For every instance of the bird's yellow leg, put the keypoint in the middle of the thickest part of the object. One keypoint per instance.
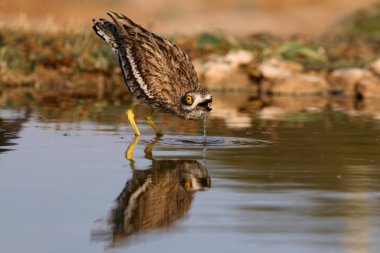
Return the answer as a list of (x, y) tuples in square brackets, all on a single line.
[(151, 123), (131, 148), (131, 118), (149, 147)]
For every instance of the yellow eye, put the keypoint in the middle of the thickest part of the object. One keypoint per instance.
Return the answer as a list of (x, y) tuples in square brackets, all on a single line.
[(187, 184), (189, 100)]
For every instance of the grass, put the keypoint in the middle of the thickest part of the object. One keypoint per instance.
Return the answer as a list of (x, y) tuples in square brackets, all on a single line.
[(353, 43), (26, 51), (364, 22)]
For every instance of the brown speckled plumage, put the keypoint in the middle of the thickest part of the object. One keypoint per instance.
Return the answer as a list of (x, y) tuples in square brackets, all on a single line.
[(156, 71), (155, 198)]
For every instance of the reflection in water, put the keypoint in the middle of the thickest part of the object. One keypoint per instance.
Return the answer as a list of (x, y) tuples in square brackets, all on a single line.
[(358, 222), (154, 198), (9, 128), (305, 179)]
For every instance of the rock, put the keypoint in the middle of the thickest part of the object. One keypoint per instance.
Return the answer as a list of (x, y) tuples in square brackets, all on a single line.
[(238, 58), (255, 76), (296, 84), (368, 87), (223, 72), (343, 81), (275, 68), (375, 67), (213, 72)]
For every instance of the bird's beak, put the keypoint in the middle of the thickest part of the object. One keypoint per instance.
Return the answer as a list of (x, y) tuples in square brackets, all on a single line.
[(206, 104)]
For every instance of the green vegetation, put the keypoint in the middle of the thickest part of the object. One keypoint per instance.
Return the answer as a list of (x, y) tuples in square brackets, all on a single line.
[(26, 51), (353, 43), (364, 22)]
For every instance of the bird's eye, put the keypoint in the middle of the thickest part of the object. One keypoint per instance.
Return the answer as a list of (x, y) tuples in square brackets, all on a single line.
[(189, 100), (187, 184)]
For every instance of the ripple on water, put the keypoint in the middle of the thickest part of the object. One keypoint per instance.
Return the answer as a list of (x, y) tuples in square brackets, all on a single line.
[(213, 141)]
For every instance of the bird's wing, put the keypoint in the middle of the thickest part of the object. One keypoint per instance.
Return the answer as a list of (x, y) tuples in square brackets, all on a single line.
[(162, 70)]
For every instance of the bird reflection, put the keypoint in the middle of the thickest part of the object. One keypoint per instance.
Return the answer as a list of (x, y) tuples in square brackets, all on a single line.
[(9, 129), (154, 198)]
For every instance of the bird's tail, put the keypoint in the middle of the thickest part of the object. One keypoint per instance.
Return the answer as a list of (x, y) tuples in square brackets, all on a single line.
[(107, 31)]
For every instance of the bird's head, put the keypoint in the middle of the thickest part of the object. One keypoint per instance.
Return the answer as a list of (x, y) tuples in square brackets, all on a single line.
[(193, 176), (193, 184), (195, 104)]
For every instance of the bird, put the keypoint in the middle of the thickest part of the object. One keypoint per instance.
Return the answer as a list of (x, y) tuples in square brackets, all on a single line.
[(156, 71), (154, 198)]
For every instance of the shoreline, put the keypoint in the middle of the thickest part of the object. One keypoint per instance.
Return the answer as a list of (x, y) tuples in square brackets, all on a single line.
[(261, 64)]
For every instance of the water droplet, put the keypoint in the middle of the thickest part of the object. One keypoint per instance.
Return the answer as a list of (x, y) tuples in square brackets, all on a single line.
[(205, 128), (204, 139)]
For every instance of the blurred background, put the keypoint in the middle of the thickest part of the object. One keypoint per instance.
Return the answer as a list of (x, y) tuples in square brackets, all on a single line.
[(49, 53), (294, 134), (186, 17)]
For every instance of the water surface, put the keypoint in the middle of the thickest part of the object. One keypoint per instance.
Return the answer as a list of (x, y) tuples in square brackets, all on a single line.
[(289, 181)]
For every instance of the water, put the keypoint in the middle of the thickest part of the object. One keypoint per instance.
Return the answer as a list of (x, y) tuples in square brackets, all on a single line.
[(204, 139), (303, 181), (205, 128)]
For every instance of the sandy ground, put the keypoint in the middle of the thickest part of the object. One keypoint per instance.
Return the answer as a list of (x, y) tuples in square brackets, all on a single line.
[(185, 17)]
